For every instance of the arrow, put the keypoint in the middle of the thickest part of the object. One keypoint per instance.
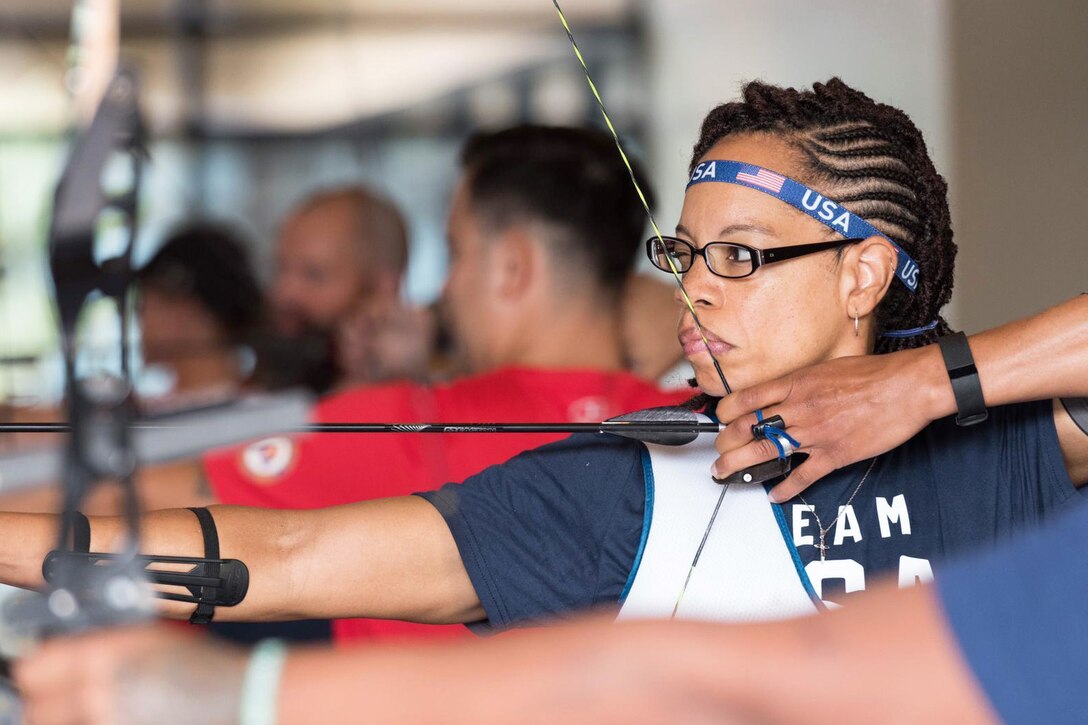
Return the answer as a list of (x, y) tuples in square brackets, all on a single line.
[(671, 426)]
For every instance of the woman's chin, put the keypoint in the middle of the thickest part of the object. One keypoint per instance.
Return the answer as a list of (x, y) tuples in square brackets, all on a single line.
[(709, 383)]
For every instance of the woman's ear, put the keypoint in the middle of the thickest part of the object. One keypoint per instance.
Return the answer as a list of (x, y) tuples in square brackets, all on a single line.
[(870, 267)]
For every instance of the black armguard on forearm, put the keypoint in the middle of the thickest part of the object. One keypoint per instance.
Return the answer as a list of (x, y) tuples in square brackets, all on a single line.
[(210, 581), (204, 609)]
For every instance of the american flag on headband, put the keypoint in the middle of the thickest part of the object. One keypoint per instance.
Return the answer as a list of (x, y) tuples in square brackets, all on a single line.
[(763, 178)]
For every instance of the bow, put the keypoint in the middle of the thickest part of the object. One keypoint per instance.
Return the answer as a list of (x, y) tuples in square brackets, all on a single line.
[(80, 597), (100, 409)]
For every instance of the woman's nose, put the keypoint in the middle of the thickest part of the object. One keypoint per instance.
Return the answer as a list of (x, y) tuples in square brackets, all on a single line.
[(702, 285)]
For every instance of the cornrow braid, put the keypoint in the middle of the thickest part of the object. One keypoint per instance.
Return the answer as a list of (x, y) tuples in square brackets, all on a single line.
[(872, 159)]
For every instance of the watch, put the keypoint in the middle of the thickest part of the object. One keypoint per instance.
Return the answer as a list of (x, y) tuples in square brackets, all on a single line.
[(971, 408)]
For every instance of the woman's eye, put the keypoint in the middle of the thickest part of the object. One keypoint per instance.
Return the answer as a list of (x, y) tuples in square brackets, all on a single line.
[(739, 254), (678, 252)]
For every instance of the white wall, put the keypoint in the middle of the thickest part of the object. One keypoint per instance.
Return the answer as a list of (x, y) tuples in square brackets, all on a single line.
[(1020, 80)]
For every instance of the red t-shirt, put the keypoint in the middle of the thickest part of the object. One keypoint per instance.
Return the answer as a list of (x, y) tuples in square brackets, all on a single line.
[(314, 471)]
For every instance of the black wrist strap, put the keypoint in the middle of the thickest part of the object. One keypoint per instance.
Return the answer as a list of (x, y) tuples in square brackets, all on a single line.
[(964, 377), (205, 611)]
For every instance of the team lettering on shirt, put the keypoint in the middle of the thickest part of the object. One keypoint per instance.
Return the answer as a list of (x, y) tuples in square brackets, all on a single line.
[(893, 520)]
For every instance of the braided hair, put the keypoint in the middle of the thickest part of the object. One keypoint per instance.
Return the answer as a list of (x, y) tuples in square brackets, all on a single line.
[(870, 158)]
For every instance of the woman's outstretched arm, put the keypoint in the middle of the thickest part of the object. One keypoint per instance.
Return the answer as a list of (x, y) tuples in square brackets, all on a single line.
[(390, 558)]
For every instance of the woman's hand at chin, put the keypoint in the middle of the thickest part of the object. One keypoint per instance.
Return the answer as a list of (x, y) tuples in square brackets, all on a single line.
[(841, 411)]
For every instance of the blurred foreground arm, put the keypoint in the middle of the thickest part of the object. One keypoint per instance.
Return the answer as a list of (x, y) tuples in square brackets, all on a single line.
[(851, 665), (849, 409), (1001, 635)]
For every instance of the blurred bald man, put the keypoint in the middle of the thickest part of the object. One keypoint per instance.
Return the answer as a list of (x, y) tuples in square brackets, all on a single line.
[(339, 248), (340, 257)]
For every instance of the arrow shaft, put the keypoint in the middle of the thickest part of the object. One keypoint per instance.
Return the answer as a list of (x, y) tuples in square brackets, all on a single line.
[(603, 427)]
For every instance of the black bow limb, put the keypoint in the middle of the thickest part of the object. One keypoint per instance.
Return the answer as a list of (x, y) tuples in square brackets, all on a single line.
[(100, 409)]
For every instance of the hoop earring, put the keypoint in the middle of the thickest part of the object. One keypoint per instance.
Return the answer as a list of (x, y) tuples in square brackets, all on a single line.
[(855, 324)]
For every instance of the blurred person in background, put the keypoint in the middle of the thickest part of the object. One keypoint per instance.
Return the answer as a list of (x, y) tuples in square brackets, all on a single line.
[(336, 249), (199, 307), (649, 332), (339, 262)]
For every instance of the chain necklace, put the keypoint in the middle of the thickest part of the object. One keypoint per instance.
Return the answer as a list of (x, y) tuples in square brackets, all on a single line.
[(822, 546)]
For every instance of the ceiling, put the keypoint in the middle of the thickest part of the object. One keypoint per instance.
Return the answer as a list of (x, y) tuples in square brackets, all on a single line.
[(286, 65), (52, 17)]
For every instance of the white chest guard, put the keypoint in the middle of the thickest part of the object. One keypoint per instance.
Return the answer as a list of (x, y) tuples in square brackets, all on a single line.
[(747, 570)]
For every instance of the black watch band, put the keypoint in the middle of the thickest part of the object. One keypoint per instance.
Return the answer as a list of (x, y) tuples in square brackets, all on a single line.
[(964, 377)]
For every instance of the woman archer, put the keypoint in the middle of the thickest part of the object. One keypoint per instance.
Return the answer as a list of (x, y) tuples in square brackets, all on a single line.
[(595, 521)]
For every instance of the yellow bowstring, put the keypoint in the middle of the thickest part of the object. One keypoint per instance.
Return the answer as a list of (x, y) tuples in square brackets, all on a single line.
[(641, 196), (675, 274)]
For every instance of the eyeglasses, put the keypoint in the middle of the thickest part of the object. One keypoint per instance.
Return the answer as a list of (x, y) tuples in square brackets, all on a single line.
[(727, 259)]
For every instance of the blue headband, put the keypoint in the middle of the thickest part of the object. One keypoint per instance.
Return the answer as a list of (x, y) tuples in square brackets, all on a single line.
[(804, 199)]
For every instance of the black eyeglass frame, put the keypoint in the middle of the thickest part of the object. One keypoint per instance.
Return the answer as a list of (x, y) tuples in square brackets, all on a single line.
[(760, 257)]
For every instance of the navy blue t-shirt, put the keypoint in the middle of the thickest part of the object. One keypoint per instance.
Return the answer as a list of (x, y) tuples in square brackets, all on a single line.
[(557, 530)]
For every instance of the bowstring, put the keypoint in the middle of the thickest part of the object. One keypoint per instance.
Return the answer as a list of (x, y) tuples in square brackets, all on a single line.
[(642, 197), (672, 267)]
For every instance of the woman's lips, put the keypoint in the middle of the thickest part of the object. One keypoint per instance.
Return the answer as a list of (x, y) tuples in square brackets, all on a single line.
[(692, 342)]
